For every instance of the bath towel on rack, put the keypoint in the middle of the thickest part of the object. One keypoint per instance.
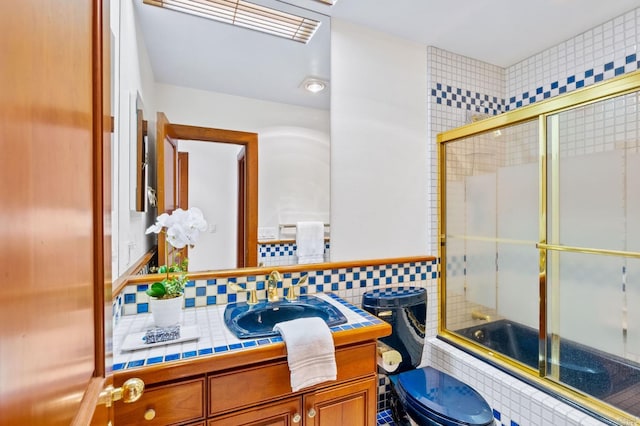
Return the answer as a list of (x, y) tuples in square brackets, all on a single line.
[(310, 242)]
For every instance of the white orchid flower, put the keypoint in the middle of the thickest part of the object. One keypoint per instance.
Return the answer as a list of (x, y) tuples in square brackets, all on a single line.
[(176, 236), (162, 221), (182, 227)]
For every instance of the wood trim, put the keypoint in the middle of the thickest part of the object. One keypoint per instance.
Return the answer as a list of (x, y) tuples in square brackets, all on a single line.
[(141, 279), (161, 132), (141, 189), (121, 282), (183, 180), (285, 241), (242, 212), (101, 178), (92, 394)]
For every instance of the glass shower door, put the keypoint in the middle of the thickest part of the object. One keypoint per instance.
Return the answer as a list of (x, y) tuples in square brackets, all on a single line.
[(592, 204), (492, 227)]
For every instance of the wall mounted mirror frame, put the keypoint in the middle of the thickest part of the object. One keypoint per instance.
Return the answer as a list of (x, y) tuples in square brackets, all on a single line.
[(140, 156)]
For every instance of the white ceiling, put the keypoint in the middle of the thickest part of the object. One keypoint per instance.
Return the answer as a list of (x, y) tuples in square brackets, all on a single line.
[(203, 54)]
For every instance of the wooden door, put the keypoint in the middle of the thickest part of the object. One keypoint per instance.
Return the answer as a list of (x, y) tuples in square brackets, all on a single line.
[(282, 413), (242, 213), (55, 251), (167, 180), (183, 192), (353, 404), (183, 180)]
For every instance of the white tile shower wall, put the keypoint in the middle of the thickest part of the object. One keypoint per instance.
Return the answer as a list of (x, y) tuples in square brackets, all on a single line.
[(459, 87), (599, 54)]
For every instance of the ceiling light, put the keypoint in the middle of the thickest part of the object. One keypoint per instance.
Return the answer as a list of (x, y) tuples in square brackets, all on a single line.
[(329, 2), (247, 15), (313, 85)]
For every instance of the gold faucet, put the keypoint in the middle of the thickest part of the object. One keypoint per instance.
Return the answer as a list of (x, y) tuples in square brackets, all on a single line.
[(253, 296), (272, 286), (291, 290)]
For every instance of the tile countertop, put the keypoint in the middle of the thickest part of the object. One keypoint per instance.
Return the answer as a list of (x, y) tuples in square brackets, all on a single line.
[(214, 338)]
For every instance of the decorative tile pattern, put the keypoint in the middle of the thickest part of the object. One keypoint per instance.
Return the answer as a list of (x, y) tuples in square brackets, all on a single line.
[(214, 335), (383, 418), (277, 254), (575, 81), (349, 283)]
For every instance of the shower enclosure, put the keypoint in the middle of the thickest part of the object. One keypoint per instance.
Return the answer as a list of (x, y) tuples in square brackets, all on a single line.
[(540, 244)]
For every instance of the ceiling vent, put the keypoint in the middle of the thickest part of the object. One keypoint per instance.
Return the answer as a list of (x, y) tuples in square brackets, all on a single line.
[(247, 15)]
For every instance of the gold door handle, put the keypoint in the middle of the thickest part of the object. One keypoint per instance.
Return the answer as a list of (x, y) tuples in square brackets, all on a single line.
[(296, 418), (131, 391), (311, 413)]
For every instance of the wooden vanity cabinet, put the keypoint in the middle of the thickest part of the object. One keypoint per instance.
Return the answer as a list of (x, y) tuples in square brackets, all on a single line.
[(258, 388), (245, 389), (348, 404)]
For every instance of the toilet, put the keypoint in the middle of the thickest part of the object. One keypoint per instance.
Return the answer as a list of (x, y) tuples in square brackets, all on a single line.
[(421, 396)]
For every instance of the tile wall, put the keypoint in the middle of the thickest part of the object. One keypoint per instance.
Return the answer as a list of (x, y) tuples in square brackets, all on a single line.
[(601, 53), (283, 253), (348, 283)]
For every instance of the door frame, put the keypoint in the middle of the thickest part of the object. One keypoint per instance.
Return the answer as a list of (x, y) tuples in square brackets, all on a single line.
[(250, 143)]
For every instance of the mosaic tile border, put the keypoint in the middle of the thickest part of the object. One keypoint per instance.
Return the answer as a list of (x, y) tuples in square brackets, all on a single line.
[(358, 318), (278, 254), (590, 76), (460, 98), (466, 99)]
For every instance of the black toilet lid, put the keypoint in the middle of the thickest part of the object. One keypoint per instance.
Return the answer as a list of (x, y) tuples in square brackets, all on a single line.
[(438, 396)]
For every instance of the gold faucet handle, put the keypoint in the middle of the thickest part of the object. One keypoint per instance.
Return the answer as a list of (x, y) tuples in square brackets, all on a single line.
[(291, 290), (253, 295)]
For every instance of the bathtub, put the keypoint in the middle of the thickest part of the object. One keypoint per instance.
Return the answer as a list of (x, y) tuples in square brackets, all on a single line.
[(601, 375)]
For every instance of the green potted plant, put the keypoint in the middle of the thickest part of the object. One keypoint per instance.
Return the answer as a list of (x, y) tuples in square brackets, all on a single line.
[(181, 228)]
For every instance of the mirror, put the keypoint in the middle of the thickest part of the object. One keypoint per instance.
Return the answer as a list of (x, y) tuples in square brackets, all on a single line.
[(246, 81)]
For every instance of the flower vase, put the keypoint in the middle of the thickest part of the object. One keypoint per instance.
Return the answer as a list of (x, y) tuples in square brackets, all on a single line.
[(166, 312)]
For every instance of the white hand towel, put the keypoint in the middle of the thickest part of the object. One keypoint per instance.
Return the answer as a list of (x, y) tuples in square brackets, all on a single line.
[(310, 242), (310, 351)]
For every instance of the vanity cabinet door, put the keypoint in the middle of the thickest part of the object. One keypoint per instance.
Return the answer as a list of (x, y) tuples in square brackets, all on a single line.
[(170, 404), (352, 404), (282, 413)]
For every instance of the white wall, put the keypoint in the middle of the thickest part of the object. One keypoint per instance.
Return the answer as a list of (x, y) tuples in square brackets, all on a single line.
[(293, 148), (132, 75), (379, 167), (213, 188)]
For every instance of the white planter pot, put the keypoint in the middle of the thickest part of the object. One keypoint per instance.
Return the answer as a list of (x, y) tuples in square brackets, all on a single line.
[(166, 312)]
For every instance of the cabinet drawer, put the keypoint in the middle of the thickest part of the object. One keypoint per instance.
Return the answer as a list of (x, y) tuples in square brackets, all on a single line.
[(171, 404), (281, 413), (245, 387)]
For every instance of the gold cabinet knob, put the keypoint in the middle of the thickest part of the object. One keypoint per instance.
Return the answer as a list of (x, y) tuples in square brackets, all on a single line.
[(296, 418), (311, 413), (150, 414)]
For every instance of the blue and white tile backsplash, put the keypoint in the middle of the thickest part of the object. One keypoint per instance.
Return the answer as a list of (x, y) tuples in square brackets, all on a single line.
[(348, 283)]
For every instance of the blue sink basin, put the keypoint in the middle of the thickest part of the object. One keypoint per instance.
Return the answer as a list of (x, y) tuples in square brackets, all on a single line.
[(253, 321)]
